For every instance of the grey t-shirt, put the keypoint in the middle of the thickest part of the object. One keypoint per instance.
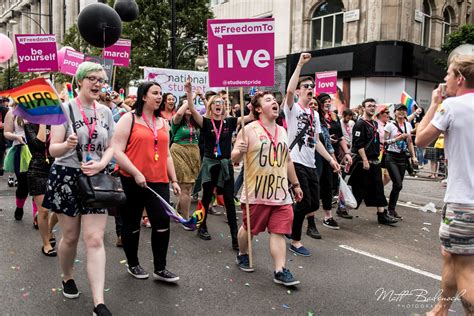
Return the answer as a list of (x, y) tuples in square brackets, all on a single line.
[(100, 139)]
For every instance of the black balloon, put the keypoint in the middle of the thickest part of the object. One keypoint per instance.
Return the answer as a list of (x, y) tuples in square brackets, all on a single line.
[(127, 9), (94, 20)]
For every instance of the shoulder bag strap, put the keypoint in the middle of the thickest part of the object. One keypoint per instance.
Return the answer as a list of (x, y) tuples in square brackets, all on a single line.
[(299, 135), (71, 116)]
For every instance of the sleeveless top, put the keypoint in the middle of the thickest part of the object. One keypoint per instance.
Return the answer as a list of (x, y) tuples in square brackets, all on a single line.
[(18, 130), (141, 152), (267, 177)]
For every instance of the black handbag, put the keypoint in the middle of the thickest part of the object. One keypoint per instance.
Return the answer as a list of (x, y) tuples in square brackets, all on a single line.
[(100, 190)]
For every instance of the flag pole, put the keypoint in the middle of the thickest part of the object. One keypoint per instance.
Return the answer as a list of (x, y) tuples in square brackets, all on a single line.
[(247, 209), (113, 78)]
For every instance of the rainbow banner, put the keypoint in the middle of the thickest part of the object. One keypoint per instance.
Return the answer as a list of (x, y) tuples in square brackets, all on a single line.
[(194, 220), (37, 101), (408, 102)]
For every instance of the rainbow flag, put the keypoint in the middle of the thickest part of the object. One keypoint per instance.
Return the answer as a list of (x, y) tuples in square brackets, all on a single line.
[(38, 102), (408, 102)]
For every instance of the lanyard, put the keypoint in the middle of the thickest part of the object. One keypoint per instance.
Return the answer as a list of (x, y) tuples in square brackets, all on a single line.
[(374, 128), (155, 133), (46, 144), (89, 127), (217, 147), (311, 115), (273, 140), (347, 127)]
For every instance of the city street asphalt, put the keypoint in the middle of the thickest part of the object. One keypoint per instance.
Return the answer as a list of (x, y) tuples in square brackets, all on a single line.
[(361, 269)]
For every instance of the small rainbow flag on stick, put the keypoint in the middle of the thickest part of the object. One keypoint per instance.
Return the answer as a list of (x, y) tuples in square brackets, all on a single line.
[(37, 101), (408, 102)]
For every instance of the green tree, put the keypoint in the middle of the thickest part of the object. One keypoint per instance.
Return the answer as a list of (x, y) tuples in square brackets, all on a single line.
[(150, 35), (464, 35), (16, 78)]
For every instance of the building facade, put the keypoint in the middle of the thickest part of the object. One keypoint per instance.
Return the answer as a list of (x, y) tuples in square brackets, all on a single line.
[(39, 16), (378, 47)]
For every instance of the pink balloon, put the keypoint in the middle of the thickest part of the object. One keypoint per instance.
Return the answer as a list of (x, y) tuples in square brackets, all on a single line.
[(61, 54), (6, 48)]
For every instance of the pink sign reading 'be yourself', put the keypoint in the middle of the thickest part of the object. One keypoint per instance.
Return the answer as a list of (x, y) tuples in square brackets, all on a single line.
[(71, 62), (36, 52), (241, 52), (119, 52)]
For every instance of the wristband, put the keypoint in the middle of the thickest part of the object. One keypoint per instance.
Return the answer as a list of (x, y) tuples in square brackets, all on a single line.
[(295, 185)]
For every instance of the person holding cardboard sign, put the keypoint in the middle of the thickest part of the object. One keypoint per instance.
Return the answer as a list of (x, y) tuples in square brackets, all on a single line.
[(270, 171)]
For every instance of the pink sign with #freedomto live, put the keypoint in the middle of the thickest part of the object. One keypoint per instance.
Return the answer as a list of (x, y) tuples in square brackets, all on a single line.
[(241, 52), (71, 62), (326, 82), (119, 52), (36, 52)]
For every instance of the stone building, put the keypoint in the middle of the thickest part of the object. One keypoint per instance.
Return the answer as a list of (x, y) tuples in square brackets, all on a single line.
[(39, 16), (378, 47)]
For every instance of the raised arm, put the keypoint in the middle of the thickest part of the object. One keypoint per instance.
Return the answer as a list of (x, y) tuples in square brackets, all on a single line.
[(290, 91), (189, 94), (178, 116)]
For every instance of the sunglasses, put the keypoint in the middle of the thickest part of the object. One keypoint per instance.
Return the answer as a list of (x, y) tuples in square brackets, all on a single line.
[(308, 85), (219, 102)]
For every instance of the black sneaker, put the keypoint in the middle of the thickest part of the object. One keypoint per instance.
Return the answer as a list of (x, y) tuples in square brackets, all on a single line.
[(18, 213), (313, 232), (385, 219), (70, 289), (285, 277), (243, 263), (342, 212), (166, 276), (101, 310), (138, 272), (330, 223), (203, 233), (11, 182)]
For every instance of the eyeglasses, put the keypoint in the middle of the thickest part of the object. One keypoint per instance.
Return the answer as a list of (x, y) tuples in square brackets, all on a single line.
[(218, 102), (94, 80), (308, 85)]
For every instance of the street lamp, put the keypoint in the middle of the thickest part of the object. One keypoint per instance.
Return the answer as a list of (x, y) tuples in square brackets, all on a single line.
[(201, 61), (28, 15)]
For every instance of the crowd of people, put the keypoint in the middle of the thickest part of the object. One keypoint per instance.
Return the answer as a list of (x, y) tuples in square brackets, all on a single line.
[(296, 152)]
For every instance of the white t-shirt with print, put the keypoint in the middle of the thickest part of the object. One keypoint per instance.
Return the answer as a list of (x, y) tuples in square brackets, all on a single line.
[(455, 118), (401, 145), (296, 118)]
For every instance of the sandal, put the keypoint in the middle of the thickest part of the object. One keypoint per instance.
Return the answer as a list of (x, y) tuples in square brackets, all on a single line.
[(51, 253), (432, 176)]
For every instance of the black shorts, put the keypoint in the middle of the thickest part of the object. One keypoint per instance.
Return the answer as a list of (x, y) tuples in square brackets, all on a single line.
[(309, 183), (38, 173), (61, 193)]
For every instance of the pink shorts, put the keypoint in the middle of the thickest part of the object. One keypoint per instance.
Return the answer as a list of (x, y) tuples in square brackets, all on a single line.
[(277, 218)]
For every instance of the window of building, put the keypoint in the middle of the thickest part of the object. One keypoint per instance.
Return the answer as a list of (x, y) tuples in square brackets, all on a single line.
[(327, 25), (426, 24), (446, 24)]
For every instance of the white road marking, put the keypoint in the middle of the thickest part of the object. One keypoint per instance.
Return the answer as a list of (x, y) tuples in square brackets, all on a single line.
[(397, 264)]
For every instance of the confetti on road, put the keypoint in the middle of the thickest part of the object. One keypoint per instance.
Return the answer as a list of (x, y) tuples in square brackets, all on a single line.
[(300, 267), (77, 261), (247, 284), (140, 302), (310, 313), (227, 267), (285, 306), (174, 252), (288, 292), (25, 295), (425, 229), (200, 289), (107, 290), (59, 289), (231, 280), (123, 261), (53, 290), (429, 224)]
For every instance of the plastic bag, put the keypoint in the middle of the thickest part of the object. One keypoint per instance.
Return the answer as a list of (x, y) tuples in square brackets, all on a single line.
[(346, 194)]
